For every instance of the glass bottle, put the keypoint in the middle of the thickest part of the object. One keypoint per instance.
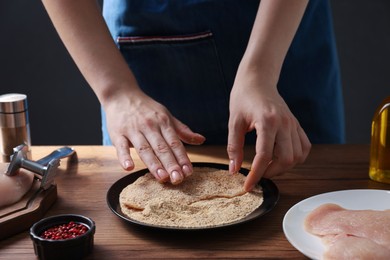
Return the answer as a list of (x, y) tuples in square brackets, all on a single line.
[(380, 144)]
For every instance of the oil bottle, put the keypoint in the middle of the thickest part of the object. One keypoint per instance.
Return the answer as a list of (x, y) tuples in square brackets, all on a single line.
[(380, 143)]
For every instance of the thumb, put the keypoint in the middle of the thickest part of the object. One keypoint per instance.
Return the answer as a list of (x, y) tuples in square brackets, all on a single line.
[(186, 134)]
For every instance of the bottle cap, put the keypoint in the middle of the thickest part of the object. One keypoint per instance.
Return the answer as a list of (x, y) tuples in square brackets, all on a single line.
[(13, 103)]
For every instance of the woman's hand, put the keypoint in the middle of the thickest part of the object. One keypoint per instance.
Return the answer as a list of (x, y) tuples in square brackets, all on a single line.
[(136, 120), (281, 142), (133, 118), (255, 103)]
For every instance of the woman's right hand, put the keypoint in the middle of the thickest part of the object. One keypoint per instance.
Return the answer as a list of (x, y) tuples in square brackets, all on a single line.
[(136, 120)]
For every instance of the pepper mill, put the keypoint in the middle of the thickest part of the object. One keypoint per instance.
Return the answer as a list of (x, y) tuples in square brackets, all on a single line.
[(380, 143), (14, 124)]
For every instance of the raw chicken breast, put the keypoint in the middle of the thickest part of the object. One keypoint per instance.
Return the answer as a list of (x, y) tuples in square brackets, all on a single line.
[(351, 234), (350, 247), (331, 219), (12, 188)]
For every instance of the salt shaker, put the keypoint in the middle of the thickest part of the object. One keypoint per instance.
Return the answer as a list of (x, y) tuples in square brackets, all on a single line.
[(380, 144), (14, 124)]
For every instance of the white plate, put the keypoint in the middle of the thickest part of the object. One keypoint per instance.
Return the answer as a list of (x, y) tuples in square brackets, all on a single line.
[(311, 245)]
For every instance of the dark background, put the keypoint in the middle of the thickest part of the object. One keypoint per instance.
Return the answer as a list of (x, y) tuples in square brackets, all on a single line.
[(64, 110)]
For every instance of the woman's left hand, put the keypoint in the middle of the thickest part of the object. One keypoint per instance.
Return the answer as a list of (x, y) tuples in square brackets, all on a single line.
[(281, 142)]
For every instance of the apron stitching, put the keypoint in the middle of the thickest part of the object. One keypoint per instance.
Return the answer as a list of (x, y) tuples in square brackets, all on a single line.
[(179, 38)]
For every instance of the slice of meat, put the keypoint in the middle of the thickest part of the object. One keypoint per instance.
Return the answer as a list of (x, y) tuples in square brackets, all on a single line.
[(219, 184), (350, 247), (331, 219), (12, 188), (208, 197)]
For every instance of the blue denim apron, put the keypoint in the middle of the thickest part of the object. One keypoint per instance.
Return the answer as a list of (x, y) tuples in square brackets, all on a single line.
[(185, 55)]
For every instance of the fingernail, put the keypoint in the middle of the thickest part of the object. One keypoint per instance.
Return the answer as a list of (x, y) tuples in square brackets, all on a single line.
[(249, 188), (162, 174), (232, 167), (199, 139), (176, 177), (202, 138), (186, 170), (127, 164)]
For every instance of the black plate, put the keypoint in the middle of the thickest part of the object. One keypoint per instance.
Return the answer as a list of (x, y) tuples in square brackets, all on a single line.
[(270, 193)]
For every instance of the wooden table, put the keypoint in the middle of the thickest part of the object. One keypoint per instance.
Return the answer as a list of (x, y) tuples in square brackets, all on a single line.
[(82, 189)]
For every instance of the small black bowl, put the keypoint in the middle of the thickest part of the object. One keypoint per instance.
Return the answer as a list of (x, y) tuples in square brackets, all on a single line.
[(71, 248)]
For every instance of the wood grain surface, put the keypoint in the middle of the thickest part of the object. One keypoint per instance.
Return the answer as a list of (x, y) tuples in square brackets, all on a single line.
[(82, 189)]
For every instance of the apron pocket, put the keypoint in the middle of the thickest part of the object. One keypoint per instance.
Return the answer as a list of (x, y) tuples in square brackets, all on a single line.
[(185, 75)]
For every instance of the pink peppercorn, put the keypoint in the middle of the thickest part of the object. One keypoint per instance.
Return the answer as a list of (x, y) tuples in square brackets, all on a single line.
[(64, 231)]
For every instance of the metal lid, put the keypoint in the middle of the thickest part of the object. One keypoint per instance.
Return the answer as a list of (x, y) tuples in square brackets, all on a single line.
[(13, 103)]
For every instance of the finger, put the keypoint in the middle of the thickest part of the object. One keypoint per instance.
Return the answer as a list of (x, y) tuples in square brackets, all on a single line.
[(146, 154), (283, 156), (122, 147), (305, 143), (186, 134), (296, 145), (178, 150), (235, 146), (163, 152), (264, 151), (284, 161)]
